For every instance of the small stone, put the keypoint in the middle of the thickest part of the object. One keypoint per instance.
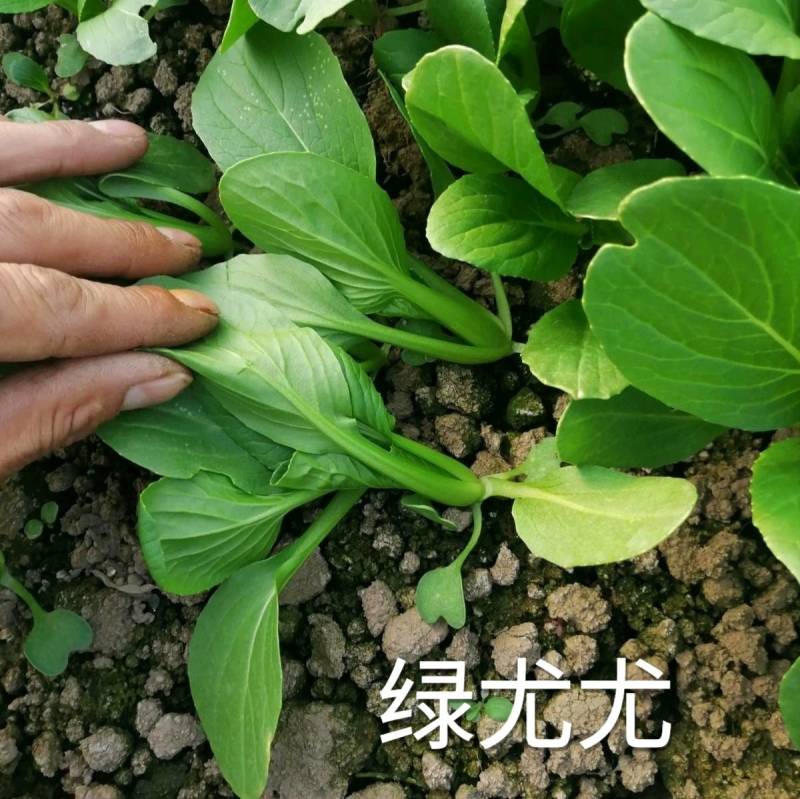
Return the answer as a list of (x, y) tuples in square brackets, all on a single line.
[(8, 750), (158, 682), (97, 792), (437, 774), (106, 750), (519, 641), (138, 101), (506, 567), (379, 605), (327, 647), (457, 434), (586, 711), (408, 637), (464, 648), (574, 760), (583, 607), (459, 389), (460, 517), (497, 782), (165, 79), (638, 770), (148, 712), (477, 584), (581, 653), (173, 733), (410, 563), (525, 410), (47, 754), (381, 790), (308, 582)]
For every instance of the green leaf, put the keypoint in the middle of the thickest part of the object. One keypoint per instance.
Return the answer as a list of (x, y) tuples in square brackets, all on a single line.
[(423, 506), (33, 529), (174, 163), (600, 193), (440, 594), (54, 637), (397, 52), (71, 56), (327, 214), (469, 113), (241, 19), (24, 71), (236, 678), (275, 92), (594, 32), (542, 460), (755, 26), (300, 15), (498, 708), (516, 47), (790, 702), (465, 22), (49, 513), (21, 6), (630, 430), (601, 124), (586, 516), (710, 100), (118, 36), (503, 225), (329, 472), (776, 502), (697, 313), (562, 351), (28, 115), (196, 533)]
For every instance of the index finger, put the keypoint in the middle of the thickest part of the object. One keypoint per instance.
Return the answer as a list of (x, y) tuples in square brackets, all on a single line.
[(36, 151)]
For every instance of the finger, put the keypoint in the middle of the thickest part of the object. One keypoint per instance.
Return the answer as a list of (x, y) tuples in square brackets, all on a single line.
[(33, 230), (46, 314), (67, 148), (47, 407)]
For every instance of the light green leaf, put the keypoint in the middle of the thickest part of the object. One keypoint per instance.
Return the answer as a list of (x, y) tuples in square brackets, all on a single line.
[(241, 19), (440, 594), (300, 15), (630, 430), (53, 638), (327, 214), (275, 92), (776, 501), (49, 513), (755, 26), (28, 115), (586, 516), (33, 529), (24, 71), (118, 36), (423, 506), (498, 708), (21, 6), (469, 113), (466, 22), (790, 702), (236, 678), (701, 312), (329, 472), (71, 56), (710, 100), (594, 32), (542, 460), (397, 52), (196, 533), (562, 351), (599, 194), (503, 225)]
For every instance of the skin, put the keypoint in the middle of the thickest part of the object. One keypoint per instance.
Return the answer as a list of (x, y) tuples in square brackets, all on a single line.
[(77, 334)]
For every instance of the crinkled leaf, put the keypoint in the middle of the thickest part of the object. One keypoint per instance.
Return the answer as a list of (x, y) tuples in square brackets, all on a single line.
[(790, 702), (594, 32), (300, 15), (279, 92), (236, 678), (585, 516), (562, 351), (503, 225), (599, 194), (712, 101), (469, 113), (118, 36), (630, 430), (24, 71), (702, 312), (53, 638), (755, 26), (776, 501)]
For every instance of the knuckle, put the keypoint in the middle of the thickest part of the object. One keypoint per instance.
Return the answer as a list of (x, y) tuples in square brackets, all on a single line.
[(18, 207), (68, 423)]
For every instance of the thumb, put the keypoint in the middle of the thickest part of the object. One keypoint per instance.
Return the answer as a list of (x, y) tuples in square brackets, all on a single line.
[(47, 407)]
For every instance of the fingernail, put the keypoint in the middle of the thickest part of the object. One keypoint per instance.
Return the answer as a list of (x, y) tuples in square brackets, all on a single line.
[(118, 127), (155, 391), (180, 237), (196, 300)]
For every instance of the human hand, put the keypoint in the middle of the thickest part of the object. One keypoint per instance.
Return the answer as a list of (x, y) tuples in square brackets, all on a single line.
[(50, 310)]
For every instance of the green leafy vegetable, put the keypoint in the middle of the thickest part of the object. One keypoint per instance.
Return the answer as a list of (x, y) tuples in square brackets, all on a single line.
[(467, 22), (300, 15), (71, 57), (698, 296), (790, 707), (24, 71), (119, 35)]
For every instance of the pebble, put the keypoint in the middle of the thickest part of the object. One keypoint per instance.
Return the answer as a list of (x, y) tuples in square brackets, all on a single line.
[(407, 636), (519, 641), (105, 750), (506, 567), (379, 605), (327, 647), (308, 582), (583, 607), (173, 733), (438, 774)]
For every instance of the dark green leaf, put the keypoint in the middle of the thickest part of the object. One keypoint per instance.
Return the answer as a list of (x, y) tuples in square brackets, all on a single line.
[(71, 56), (397, 52), (601, 124), (466, 22), (24, 71)]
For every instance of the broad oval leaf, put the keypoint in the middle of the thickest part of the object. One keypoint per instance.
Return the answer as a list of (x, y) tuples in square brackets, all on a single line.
[(275, 92), (118, 36), (630, 430), (236, 678), (701, 312), (755, 26), (586, 516), (71, 57), (196, 533), (24, 71), (440, 594), (776, 501), (594, 32), (469, 113), (302, 15), (710, 100), (562, 351), (789, 700), (503, 225), (600, 193), (54, 637)]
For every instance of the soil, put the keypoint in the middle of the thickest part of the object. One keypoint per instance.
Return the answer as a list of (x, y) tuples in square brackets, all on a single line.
[(710, 607)]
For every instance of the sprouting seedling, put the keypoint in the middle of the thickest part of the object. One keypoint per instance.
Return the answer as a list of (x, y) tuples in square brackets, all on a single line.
[(55, 635), (440, 592), (497, 708), (24, 71), (47, 517)]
